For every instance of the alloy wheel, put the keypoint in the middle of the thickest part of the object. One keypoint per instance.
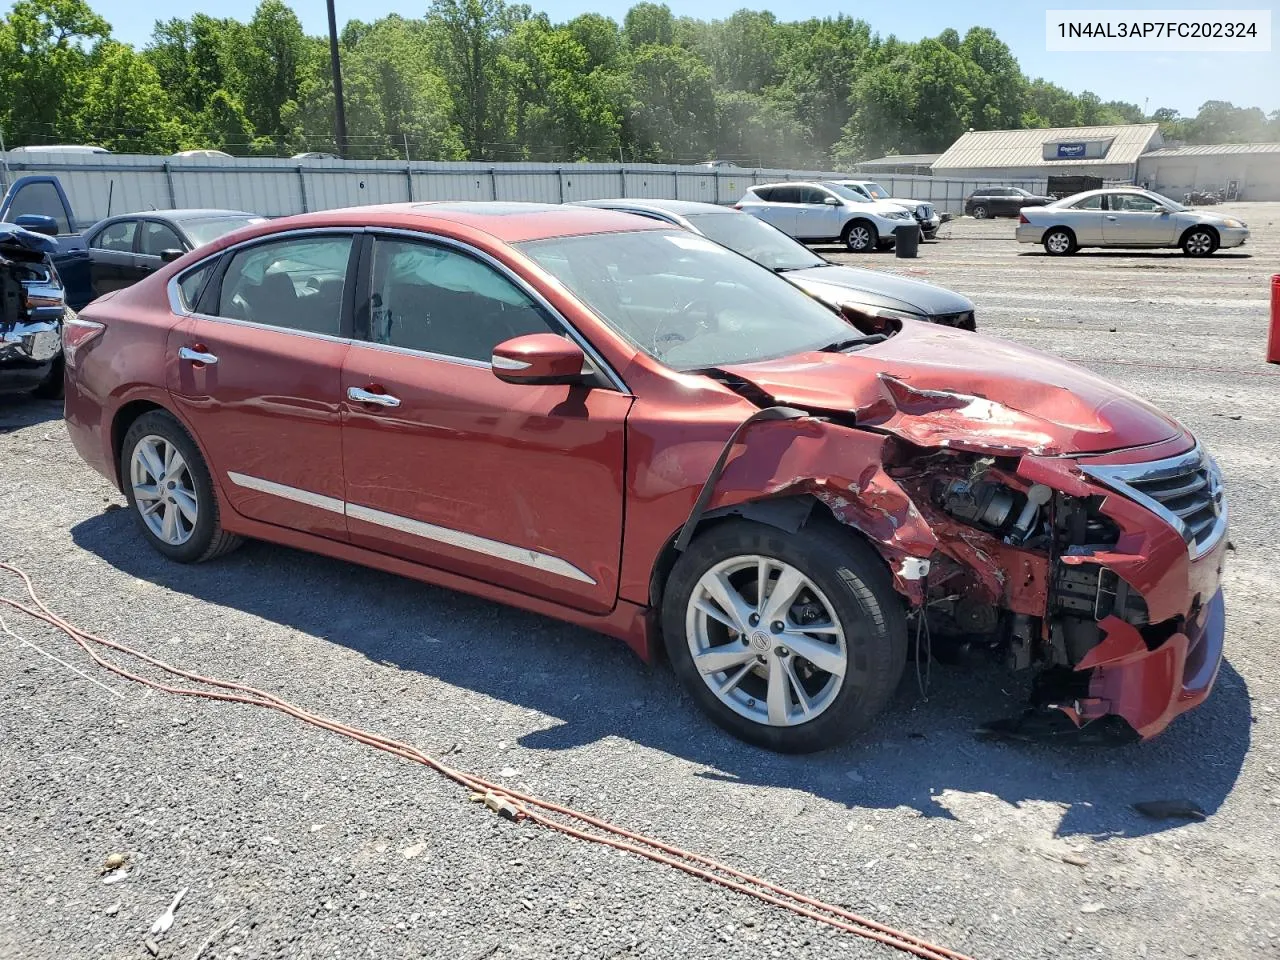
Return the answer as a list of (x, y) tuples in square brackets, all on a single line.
[(1058, 243), (979, 213), (1199, 243), (859, 238), (164, 490), (766, 640)]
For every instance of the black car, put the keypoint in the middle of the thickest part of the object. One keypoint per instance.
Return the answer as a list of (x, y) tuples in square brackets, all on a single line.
[(124, 249), (32, 304), (1002, 202)]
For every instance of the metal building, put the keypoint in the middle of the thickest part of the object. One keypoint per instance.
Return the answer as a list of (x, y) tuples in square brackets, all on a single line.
[(1109, 152), (1241, 171)]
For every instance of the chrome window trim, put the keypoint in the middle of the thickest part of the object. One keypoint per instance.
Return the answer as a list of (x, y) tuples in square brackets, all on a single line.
[(1119, 476), (175, 298), (520, 283), (177, 307)]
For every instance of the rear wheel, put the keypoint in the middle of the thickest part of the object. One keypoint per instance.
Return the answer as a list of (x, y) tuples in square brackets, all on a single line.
[(793, 642), (980, 212), (170, 492), (860, 237), (1199, 242), (1059, 242)]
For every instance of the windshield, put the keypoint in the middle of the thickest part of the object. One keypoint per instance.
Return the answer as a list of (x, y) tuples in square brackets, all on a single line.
[(756, 240), (877, 191), (207, 231), (847, 192), (686, 301)]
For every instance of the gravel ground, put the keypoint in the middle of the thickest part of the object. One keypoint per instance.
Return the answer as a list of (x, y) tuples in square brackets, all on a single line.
[(295, 843)]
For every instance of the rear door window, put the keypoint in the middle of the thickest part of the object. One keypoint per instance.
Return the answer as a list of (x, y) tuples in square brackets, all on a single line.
[(1088, 203), (296, 283), (788, 195)]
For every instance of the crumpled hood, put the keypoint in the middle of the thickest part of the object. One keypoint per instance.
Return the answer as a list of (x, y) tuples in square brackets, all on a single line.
[(834, 284), (939, 387)]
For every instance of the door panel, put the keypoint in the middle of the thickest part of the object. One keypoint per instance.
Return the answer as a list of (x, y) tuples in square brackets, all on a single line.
[(512, 484), (520, 485), (262, 384), (268, 416), (111, 257)]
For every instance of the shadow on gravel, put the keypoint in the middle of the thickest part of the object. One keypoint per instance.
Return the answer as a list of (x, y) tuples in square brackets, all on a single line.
[(18, 410), (919, 752)]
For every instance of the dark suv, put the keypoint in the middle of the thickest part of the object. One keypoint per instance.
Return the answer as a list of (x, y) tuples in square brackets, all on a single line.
[(1002, 202), (31, 312)]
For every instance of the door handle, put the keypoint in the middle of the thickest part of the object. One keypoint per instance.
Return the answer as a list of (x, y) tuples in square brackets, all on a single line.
[(197, 354), (1111, 218), (360, 395)]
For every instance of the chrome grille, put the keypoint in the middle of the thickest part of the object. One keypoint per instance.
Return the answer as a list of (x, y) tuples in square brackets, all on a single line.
[(1184, 491), (924, 212)]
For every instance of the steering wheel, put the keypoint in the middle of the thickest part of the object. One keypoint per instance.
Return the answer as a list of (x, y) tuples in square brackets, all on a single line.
[(688, 312)]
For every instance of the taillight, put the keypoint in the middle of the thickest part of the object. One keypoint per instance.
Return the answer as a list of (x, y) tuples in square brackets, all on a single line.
[(77, 334), (1022, 218)]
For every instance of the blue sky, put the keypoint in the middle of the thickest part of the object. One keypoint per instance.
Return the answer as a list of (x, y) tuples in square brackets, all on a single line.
[(1179, 80)]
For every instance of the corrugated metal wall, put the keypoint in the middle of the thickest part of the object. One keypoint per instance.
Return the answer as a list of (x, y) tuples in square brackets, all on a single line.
[(101, 184)]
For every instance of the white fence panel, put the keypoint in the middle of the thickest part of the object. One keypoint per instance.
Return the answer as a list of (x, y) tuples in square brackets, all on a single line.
[(282, 187)]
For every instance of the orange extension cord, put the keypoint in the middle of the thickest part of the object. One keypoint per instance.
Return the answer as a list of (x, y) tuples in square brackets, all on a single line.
[(517, 806)]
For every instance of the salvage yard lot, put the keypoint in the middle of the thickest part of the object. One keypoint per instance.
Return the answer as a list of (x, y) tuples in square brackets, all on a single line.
[(292, 842)]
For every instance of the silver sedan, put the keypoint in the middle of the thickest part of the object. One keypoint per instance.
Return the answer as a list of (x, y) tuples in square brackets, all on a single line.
[(1127, 217)]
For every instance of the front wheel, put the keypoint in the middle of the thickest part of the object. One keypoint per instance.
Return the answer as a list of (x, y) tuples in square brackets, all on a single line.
[(793, 642), (1200, 242), (860, 237), (170, 492)]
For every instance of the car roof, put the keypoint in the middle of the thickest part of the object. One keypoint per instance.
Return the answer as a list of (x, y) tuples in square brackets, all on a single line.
[(508, 222), (179, 216), (681, 208)]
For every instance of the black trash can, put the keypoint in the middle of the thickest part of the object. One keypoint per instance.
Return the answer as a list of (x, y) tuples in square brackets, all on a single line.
[(907, 239)]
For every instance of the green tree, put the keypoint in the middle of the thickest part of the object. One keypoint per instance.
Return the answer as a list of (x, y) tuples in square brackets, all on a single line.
[(999, 88), (123, 105), (820, 65), (45, 58), (672, 116), (649, 24), (470, 35)]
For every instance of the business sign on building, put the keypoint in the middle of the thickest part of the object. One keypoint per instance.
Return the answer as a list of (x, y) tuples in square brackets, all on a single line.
[(1092, 149)]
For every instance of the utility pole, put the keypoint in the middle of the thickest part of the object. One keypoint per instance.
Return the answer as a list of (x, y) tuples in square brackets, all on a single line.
[(335, 65)]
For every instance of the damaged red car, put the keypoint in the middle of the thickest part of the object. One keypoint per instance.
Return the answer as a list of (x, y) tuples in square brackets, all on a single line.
[(625, 426)]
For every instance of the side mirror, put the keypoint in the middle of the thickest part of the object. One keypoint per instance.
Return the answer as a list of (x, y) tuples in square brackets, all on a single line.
[(1161, 209), (37, 223), (541, 358), (831, 201), (172, 254)]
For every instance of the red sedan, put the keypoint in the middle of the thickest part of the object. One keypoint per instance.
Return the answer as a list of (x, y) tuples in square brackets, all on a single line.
[(599, 418)]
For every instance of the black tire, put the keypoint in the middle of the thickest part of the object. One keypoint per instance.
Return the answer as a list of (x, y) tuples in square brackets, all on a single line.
[(860, 236), (1054, 244), (51, 387), (981, 211), (858, 587), (1200, 242), (208, 540)]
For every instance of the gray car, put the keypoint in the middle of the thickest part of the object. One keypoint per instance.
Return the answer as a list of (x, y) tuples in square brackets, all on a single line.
[(867, 291), (1127, 217)]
